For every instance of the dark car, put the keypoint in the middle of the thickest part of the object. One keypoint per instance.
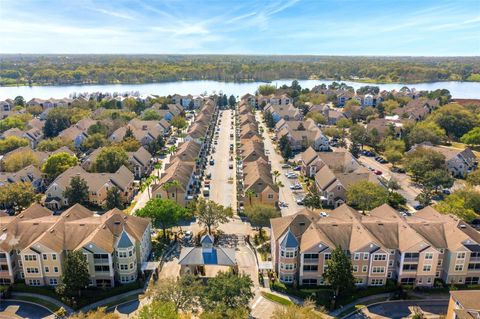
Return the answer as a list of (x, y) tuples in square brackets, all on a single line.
[(418, 207), (212, 162), (398, 170), (297, 168)]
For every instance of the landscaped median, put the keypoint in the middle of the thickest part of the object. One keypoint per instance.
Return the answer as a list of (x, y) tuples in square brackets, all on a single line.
[(276, 298)]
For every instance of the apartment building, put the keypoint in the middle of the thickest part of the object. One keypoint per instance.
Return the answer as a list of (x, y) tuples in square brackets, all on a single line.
[(382, 245), (464, 304), (35, 243)]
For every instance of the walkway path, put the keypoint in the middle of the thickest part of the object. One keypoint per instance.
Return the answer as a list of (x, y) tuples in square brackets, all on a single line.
[(110, 300), (361, 301)]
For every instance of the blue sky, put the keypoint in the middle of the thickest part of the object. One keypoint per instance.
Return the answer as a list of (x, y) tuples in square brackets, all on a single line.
[(336, 27)]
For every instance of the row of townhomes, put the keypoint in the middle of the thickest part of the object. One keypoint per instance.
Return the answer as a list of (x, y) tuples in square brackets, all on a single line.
[(34, 244), (182, 177), (290, 121), (333, 173), (140, 162), (254, 172), (383, 245)]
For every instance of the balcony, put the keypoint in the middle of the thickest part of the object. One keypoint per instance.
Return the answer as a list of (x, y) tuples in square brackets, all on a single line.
[(98, 261), (411, 260)]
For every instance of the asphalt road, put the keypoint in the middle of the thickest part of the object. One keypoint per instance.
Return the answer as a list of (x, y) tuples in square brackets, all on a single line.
[(286, 195), (25, 310), (403, 309)]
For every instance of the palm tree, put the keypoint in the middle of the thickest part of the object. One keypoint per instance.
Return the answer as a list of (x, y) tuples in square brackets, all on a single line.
[(158, 166), (275, 175), (166, 187), (175, 184), (250, 193)]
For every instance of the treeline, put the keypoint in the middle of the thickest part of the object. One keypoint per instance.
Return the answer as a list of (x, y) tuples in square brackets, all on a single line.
[(106, 69)]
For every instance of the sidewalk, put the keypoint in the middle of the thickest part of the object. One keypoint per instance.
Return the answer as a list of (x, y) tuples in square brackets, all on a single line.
[(111, 300), (43, 297)]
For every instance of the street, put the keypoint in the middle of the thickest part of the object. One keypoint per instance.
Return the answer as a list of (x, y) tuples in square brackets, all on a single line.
[(402, 309), (286, 195)]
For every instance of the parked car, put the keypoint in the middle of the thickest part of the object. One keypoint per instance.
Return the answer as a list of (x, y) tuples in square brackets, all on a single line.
[(381, 160), (296, 186), (282, 204), (188, 236), (230, 166), (291, 175), (367, 153), (377, 172), (418, 207), (398, 170), (285, 165), (446, 191), (297, 168), (212, 162), (300, 201)]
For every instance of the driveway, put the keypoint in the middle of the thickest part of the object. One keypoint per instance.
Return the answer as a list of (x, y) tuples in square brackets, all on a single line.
[(403, 309), (285, 193), (22, 309)]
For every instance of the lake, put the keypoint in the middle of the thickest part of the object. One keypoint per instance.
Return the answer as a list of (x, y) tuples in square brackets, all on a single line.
[(466, 90)]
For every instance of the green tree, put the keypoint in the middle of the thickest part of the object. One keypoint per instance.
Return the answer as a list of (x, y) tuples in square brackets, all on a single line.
[(455, 119), (163, 212), (17, 195), (228, 289), (110, 159), (94, 141), (359, 135), (474, 177), (51, 144), (366, 195), (19, 100), (11, 143), (260, 215), (339, 272), (128, 134), (182, 292), (58, 119), (232, 101), (77, 192), (155, 146), (472, 137), (249, 193), (58, 163), (151, 115), (158, 310), (422, 160), (344, 123), (98, 128), (313, 199), (19, 160), (456, 205), (114, 200), (269, 121), (211, 214), (390, 105), (75, 276), (266, 89), (222, 311), (129, 145), (426, 132), (394, 150), (179, 122), (99, 313), (317, 117)]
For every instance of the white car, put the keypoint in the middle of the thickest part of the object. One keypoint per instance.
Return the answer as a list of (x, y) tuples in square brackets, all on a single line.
[(291, 175), (297, 186)]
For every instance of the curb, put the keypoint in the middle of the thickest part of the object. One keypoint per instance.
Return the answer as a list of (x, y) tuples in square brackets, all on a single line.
[(32, 303)]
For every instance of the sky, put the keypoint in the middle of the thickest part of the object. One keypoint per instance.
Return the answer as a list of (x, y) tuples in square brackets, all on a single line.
[(313, 27)]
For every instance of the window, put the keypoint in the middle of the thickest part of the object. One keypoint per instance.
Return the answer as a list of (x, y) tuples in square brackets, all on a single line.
[(428, 255), (364, 269), (355, 268), (270, 196), (55, 269), (429, 280), (131, 265), (472, 280), (358, 281), (44, 256), (474, 254), (458, 267), (390, 274), (290, 254), (102, 268), (379, 257), (460, 255), (427, 268), (46, 269), (328, 256), (32, 270), (282, 253), (286, 278), (365, 256), (356, 256), (289, 266), (410, 267), (474, 267), (440, 262), (378, 270), (411, 255), (34, 282), (309, 282), (103, 257), (53, 281), (30, 257), (376, 282), (390, 263), (54, 256), (407, 281), (130, 253), (310, 267), (3, 267), (122, 254), (123, 267), (307, 257)]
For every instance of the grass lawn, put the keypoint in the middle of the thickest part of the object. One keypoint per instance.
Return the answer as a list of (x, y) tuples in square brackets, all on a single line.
[(120, 301), (276, 299), (52, 307)]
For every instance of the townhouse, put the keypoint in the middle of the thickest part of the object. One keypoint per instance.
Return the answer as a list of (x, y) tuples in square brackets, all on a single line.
[(6, 108), (303, 134), (340, 161), (287, 112), (35, 243), (333, 183), (40, 155), (98, 186), (143, 131), (416, 110), (383, 245), (459, 162), (385, 126), (30, 174), (273, 99), (463, 304), (33, 135), (258, 185)]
